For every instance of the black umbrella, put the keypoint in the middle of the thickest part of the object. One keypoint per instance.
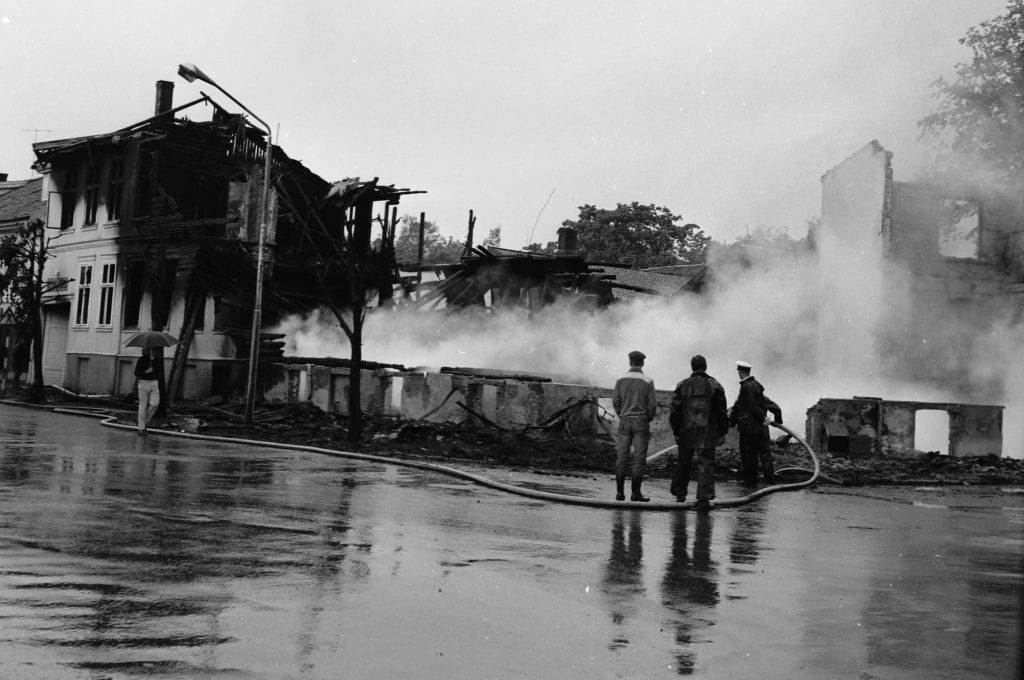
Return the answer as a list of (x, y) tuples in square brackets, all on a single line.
[(147, 339)]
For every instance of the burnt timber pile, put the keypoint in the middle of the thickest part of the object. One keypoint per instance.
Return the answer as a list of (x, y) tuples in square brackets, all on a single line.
[(497, 278)]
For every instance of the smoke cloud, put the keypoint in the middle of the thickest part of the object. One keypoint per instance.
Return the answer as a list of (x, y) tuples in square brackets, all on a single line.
[(811, 326)]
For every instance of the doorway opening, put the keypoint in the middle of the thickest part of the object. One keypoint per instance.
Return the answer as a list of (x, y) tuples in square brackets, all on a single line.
[(931, 431)]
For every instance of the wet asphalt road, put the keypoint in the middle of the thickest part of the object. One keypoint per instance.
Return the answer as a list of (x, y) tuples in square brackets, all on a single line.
[(123, 557)]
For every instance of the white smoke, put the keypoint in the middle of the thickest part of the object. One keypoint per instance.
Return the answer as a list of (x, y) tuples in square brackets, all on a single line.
[(775, 317)]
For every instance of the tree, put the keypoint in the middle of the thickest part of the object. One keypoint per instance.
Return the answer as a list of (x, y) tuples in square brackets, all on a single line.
[(348, 264), (762, 246), (978, 124), (22, 259), (640, 235), (542, 248), (437, 248), (775, 238), (493, 238)]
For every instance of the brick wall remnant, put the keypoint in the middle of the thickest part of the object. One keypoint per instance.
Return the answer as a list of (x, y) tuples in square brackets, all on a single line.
[(873, 426)]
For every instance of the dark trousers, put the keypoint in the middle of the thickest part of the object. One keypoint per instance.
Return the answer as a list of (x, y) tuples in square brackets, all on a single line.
[(756, 451), (705, 473)]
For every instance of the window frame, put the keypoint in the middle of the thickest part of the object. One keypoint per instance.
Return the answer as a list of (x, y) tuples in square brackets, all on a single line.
[(115, 189), (92, 194), (953, 240), (108, 280), (83, 294), (69, 198), (133, 291)]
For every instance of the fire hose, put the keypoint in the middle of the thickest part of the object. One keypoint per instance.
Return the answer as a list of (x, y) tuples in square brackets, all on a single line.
[(109, 420)]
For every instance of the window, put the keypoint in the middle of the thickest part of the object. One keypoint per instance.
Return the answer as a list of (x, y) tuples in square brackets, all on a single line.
[(68, 198), (200, 323), (144, 187), (162, 297), (133, 288), (92, 193), (106, 293), (115, 189), (960, 233), (84, 285)]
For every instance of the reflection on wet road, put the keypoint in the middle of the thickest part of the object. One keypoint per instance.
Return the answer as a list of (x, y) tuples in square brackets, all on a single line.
[(123, 557)]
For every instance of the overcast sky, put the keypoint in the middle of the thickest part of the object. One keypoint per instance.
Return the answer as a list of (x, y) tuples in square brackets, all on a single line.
[(725, 112)]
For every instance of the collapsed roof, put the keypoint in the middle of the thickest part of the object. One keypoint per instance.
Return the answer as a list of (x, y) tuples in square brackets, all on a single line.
[(498, 277)]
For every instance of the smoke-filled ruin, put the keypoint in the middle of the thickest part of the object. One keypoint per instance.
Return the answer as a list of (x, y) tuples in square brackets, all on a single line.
[(909, 293)]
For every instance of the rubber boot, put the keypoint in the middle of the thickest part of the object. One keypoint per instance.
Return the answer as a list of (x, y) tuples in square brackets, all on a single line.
[(636, 495), (620, 487)]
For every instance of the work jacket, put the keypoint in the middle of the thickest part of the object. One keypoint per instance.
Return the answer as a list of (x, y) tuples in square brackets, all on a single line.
[(698, 414), (752, 407), (635, 396)]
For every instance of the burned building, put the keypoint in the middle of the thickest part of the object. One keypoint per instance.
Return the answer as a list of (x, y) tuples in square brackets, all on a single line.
[(496, 278), (921, 277), (156, 226), (924, 283)]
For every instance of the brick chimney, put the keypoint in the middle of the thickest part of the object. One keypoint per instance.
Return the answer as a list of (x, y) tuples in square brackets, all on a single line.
[(568, 242), (164, 97)]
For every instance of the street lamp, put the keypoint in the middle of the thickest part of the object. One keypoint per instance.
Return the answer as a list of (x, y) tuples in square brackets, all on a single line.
[(191, 73)]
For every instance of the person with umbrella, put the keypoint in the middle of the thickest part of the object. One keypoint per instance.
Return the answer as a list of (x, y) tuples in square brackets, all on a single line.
[(146, 373)]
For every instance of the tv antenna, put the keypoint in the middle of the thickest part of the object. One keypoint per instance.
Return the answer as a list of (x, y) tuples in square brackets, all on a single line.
[(35, 135), (35, 131), (530, 240)]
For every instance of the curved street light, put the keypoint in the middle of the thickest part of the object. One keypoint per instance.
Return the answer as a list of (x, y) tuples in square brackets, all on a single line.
[(191, 73)]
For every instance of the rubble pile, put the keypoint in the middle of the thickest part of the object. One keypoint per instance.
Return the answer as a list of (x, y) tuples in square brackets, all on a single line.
[(555, 450), (438, 442), (929, 468), (551, 449)]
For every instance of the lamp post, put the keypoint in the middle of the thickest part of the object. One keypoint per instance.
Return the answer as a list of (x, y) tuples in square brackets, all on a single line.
[(191, 73)]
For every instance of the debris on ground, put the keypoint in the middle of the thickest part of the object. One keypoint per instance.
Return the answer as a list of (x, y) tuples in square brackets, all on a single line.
[(531, 448)]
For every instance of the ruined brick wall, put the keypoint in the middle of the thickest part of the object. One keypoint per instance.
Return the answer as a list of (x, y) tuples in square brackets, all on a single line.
[(917, 211), (862, 426)]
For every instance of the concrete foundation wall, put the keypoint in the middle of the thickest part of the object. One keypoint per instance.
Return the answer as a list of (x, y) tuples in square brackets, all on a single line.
[(435, 397), (106, 374), (89, 373), (875, 427)]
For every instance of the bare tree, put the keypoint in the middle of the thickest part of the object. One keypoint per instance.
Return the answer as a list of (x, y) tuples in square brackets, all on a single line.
[(23, 257), (349, 265)]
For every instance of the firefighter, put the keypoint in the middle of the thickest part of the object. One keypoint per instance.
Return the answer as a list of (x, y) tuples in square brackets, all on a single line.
[(699, 421), (750, 416), (635, 402)]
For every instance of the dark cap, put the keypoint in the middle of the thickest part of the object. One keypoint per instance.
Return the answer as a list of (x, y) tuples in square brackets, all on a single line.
[(636, 356)]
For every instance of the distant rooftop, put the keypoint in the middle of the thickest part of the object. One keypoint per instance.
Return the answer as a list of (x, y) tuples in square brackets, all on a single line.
[(8, 185), (21, 202)]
